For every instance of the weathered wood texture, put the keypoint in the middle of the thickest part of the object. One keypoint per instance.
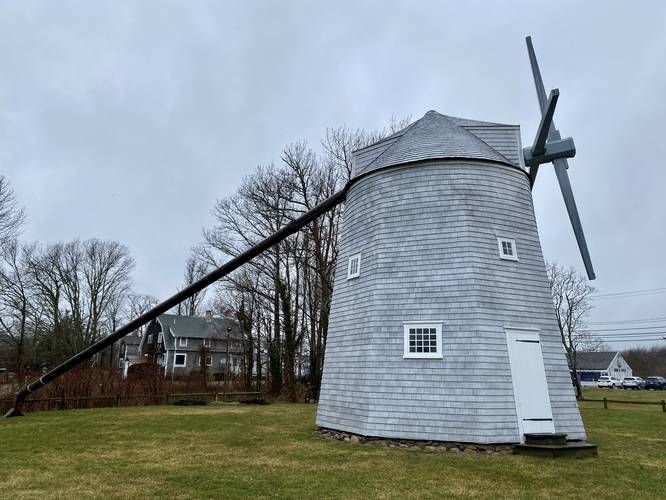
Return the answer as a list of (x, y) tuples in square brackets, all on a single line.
[(428, 237)]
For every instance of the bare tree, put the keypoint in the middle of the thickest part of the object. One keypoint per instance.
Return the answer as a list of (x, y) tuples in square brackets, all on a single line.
[(16, 302), (80, 287), (138, 304), (42, 269), (647, 361), (339, 143), (12, 216), (283, 297), (195, 269), (571, 295)]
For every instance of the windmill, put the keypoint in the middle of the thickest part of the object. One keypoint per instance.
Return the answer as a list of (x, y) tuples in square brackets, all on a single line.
[(442, 326)]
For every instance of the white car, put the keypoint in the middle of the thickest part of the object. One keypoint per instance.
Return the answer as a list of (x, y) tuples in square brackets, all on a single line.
[(631, 383), (610, 382)]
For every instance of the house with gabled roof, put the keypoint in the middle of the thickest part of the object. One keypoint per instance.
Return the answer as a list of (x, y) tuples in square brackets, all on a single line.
[(183, 344), (592, 365)]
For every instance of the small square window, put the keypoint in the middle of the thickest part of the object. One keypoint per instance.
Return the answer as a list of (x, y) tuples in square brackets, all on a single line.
[(423, 340), (507, 248), (182, 341), (354, 266), (179, 359), (209, 360)]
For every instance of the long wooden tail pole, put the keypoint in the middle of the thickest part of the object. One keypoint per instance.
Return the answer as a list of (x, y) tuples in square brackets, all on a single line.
[(291, 228)]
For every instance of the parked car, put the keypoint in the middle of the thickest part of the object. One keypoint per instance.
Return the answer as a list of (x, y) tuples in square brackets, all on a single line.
[(655, 383), (641, 383), (610, 382), (631, 383)]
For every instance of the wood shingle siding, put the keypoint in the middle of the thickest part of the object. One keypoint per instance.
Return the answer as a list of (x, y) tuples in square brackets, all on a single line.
[(427, 233)]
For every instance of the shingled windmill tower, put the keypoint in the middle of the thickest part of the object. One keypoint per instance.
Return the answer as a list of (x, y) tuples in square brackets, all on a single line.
[(442, 324)]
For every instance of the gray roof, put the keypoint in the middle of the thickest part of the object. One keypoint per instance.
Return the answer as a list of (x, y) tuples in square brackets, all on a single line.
[(437, 136), (594, 360), (198, 327), (131, 340)]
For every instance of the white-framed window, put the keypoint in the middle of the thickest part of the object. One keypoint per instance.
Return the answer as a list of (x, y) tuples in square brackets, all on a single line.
[(159, 338), (182, 341), (354, 266), (180, 359), (423, 340), (206, 342), (507, 248), (209, 360)]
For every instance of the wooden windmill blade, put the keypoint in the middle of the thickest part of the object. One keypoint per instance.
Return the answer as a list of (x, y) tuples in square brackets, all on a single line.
[(549, 147)]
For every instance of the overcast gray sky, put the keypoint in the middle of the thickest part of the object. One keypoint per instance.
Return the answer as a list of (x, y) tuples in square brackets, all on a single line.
[(127, 120)]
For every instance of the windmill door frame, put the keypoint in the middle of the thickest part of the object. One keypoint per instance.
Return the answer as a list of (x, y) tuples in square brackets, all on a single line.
[(530, 386)]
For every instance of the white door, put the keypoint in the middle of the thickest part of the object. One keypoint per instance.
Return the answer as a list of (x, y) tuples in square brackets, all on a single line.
[(529, 382)]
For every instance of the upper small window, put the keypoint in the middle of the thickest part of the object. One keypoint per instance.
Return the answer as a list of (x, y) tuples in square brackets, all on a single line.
[(423, 340), (179, 360), (507, 248), (354, 266), (182, 341)]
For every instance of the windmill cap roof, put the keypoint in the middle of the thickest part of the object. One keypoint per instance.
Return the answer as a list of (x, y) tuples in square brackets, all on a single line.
[(437, 136)]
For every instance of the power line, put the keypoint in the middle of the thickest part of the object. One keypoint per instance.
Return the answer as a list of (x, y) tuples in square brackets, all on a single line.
[(627, 321), (628, 293), (626, 337), (645, 335), (628, 329), (631, 334), (630, 340)]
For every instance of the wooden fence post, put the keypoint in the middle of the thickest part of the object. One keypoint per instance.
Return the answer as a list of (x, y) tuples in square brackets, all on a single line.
[(663, 405), (117, 399), (62, 403), (605, 404)]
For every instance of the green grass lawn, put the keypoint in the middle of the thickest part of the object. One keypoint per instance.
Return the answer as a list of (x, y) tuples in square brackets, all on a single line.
[(623, 394), (274, 451)]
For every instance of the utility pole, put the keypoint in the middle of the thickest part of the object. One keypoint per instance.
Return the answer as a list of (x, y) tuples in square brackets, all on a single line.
[(226, 364)]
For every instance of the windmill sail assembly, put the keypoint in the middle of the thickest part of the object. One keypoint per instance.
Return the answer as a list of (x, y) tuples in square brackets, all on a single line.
[(442, 325), (550, 147)]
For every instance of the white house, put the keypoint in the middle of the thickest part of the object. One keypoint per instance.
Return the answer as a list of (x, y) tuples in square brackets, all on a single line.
[(592, 365)]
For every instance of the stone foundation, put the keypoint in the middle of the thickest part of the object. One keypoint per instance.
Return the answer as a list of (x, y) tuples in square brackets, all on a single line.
[(415, 444)]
